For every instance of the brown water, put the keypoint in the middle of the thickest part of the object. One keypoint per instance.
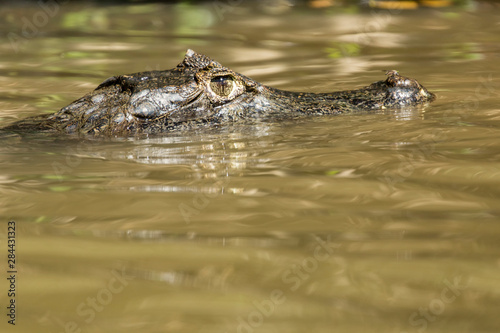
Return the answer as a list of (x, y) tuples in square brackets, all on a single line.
[(385, 222)]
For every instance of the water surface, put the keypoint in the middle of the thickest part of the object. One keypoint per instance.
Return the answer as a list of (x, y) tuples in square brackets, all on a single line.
[(381, 222)]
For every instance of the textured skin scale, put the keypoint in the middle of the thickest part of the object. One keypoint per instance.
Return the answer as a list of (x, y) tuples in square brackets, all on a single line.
[(160, 101)]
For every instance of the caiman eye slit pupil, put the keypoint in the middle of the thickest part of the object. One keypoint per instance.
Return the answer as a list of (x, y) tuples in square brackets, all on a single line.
[(222, 85)]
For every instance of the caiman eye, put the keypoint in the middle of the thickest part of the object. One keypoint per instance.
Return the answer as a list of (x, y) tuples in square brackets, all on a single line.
[(222, 85)]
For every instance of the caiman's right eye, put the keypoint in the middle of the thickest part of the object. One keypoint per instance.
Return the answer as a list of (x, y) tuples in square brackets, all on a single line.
[(222, 85)]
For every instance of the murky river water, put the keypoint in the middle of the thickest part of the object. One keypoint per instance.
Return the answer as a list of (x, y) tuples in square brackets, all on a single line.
[(386, 222)]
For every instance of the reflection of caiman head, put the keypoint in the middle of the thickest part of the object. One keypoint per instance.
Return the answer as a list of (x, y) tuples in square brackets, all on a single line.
[(202, 91)]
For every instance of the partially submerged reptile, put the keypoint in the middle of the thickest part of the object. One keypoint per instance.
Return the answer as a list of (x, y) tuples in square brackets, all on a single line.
[(200, 91)]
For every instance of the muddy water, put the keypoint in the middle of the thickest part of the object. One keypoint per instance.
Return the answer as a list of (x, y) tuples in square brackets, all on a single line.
[(385, 222)]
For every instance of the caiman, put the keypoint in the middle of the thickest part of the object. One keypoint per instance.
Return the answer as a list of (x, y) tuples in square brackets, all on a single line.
[(202, 92)]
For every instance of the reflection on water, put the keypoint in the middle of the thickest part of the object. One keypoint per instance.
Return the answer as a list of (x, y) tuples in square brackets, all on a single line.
[(380, 222)]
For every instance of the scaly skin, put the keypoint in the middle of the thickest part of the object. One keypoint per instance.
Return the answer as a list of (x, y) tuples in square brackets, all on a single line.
[(201, 92)]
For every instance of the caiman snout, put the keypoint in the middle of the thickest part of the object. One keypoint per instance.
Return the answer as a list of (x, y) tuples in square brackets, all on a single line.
[(406, 90)]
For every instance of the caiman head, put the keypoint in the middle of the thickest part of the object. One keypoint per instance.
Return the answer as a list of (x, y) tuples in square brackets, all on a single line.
[(152, 102), (202, 91)]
